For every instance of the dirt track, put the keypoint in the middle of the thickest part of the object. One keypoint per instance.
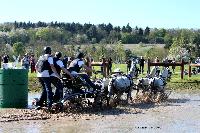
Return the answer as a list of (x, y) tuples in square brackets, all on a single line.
[(181, 113)]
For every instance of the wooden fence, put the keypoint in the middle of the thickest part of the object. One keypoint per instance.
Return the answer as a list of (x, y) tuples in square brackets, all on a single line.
[(190, 67), (104, 64), (181, 64)]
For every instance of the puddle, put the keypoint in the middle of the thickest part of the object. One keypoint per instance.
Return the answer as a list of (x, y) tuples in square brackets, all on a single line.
[(31, 96)]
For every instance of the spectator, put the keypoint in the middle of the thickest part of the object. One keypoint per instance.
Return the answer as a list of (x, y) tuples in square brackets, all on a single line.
[(165, 61), (142, 61), (5, 61), (25, 62), (32, 63), (101, 60), (156, 60), (173, 67), (110, 65), (198, 62), (128, 62)]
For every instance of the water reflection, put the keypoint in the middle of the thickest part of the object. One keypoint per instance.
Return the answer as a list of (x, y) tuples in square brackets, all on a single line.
[(31, 96)]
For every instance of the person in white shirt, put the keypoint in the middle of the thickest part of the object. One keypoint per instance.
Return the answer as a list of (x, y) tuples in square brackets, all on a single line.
[(76, 65), (25, 62), (43, 66), (55, 80)]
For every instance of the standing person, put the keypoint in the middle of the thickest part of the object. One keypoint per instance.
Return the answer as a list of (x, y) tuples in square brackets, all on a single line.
[(25, 62), (43, 66), (142, 61), (5, 61), (165, 61), (77, 64), (157, 67), (110, 65), (198, 62), (55, 80), (173, 67), (32, 63), (128, 62), (156, 60)]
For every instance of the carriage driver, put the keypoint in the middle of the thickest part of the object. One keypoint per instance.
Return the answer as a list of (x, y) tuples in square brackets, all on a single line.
[(76, 65)]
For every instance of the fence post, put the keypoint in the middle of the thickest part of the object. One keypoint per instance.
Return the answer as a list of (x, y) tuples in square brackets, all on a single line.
[(148, 66), (182, 68), (189, 74), (107, 68)]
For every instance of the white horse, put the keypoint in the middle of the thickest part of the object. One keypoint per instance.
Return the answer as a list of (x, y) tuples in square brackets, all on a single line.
[(120, 84), (154, 72), (133, 70), (166, 73), (14, 65)]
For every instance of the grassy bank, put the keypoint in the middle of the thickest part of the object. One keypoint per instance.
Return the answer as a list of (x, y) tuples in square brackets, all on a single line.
[(33, 83)]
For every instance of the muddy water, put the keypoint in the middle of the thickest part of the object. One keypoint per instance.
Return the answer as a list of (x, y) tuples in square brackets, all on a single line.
[(181, 113), (31, 96)]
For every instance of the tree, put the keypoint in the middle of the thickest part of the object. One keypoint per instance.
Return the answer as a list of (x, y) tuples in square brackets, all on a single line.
[(147, 31), (140, 32), (128, 28), (18, 35), (124, 30), (126, 38), (113, 36), (157, 36), (168, 40), (101, 34), (178, 50), (80, 39), (43, 34), (196, 41), (92, 32), (117, 29), (18, 48), (128, 54), (120, 52), (154, 52), (109, 27)]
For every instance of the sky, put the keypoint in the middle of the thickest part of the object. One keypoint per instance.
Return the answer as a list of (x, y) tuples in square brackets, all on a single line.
[(141, 13)]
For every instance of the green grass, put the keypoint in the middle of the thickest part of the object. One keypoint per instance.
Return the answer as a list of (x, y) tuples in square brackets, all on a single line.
[(33, 83)]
